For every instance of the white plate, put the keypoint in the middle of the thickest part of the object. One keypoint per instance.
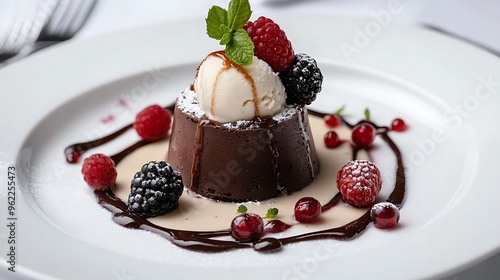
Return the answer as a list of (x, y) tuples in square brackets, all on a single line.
[(58, 97)]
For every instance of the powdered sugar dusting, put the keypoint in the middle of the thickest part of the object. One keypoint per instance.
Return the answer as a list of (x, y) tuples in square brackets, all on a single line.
[(286, 113), (188, 103), (243, 124)]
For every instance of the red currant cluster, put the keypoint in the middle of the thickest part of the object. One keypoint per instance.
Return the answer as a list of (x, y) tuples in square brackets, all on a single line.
[(363, 134)]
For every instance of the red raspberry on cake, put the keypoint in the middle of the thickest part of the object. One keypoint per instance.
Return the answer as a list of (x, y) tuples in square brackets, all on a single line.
[(359, 182), (153, 123), (99, 172), (271, 43)]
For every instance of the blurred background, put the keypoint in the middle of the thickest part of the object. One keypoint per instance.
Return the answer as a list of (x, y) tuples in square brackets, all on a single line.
[(27, 26)]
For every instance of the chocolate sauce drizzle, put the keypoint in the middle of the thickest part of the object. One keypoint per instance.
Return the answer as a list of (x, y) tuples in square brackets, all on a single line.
[(197, 153), (209, 241)]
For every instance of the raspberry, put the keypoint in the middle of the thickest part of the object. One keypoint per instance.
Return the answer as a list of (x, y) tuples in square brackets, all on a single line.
[(99, 172), (152, 123), (247, 227), (271, 43), (155, 190), (359, 182), (302, 80)]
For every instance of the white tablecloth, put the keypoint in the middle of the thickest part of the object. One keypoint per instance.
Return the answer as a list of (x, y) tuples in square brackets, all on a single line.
[(477, 21)]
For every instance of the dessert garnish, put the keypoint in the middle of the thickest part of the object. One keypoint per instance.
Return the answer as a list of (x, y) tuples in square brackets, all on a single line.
[(307, 210), (153, 123), (242, 209), (363, 134), (227, 26), (272, 213), (331, 139), (247, 227), (155, 190), (271, 43), (335, 119), (302, 80), (359, 182), (99, 172), (385, 215), (398, 125)]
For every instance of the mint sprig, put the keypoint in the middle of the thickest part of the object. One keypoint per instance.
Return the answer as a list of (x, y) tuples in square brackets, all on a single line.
[(227, 27), (242, 209), (339, 110), (272, 213), (367, 114)]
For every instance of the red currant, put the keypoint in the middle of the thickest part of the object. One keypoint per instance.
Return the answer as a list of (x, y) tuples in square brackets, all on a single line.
[(363, 134), (332, 120), (307, 210), (331, 139), (247, 227), (384, 215), (398, 125)]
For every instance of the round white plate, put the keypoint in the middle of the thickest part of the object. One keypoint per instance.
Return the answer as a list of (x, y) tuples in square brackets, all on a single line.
[(446, 90)]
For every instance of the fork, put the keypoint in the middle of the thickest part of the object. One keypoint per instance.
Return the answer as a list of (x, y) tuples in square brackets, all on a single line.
[(24, 30), (66, 19)]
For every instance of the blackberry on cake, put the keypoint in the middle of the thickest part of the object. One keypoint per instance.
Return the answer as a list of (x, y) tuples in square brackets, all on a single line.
[(155, 190), (302, 80)]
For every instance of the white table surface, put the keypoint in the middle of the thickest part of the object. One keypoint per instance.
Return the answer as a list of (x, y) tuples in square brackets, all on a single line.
[(477, 21)]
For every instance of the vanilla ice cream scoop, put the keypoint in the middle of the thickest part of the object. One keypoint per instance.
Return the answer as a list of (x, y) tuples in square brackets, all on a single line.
[(228, 92)]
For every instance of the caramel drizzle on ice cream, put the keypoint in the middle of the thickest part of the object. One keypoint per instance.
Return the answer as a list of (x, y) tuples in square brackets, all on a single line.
[(228, 64)]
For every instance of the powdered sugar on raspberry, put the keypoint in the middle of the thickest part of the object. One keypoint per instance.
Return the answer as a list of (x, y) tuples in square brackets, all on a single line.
[(359, 182)]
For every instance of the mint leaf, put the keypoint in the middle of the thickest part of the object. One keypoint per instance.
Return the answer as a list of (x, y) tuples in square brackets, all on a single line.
[(217, 17), (240, 48), (272, 213), (242, 209), (227, 26), (226, 38), (367, 114), (340, 110), (239, 12)]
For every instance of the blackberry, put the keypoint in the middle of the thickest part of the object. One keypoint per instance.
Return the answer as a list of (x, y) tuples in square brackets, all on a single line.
[(155, 190), (302, 80)]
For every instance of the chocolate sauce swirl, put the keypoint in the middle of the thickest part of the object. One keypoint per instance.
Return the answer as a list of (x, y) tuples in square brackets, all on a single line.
[(209, 241)]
